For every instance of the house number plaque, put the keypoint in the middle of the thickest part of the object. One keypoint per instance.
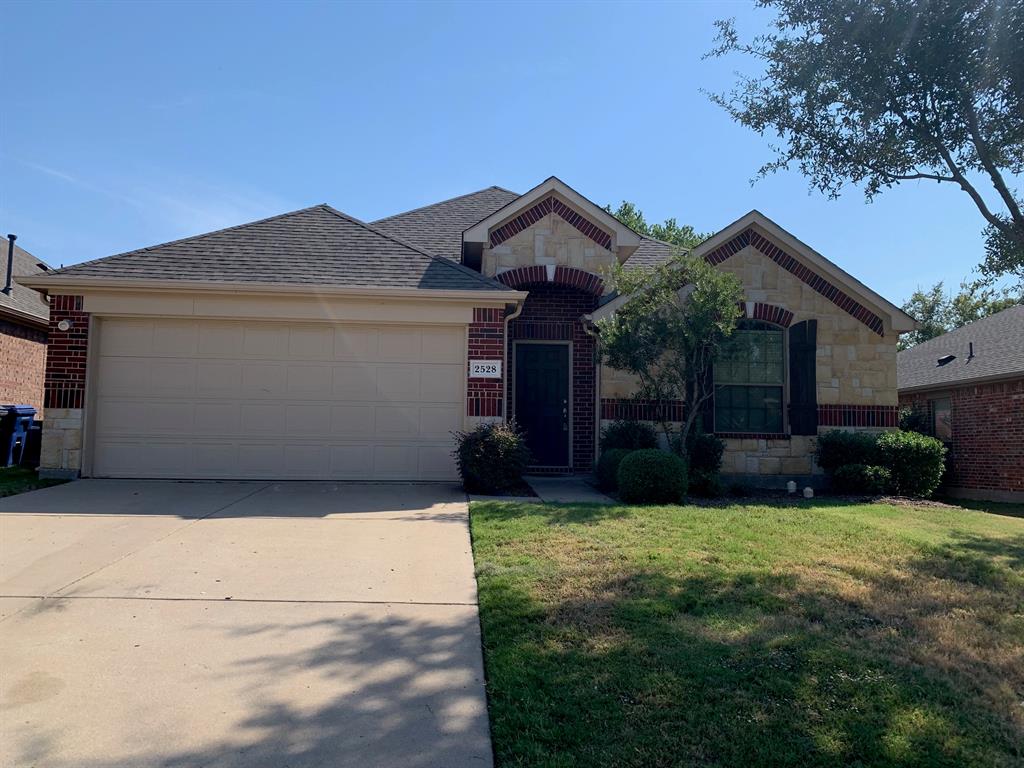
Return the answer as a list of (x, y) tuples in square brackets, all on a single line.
[(485, 369)]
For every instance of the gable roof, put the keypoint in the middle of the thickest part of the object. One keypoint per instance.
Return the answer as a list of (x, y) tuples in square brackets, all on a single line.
[(312, 246), (588, 217), (998, 353), (437, 228), (23, 303)]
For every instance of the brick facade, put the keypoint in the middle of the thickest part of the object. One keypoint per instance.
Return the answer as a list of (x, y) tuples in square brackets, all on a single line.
[(486, 341), (66, 354), (547, 206), (987, 452), (22, 364), (554, 313)]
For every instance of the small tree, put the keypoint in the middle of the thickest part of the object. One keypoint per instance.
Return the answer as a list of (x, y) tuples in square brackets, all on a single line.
[(674, 322)]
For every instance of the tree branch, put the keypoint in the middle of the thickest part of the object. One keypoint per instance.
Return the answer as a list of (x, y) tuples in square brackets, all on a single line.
[(986, 160)]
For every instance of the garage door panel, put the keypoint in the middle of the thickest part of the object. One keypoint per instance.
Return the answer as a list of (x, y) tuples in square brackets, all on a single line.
[(263, 380), (311, 343), (265, 341), (220, 339), (217, 379), (175, 338), (220, 399), (309, 381)]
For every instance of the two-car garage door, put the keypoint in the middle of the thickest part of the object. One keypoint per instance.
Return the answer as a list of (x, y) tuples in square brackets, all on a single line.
[(226, 399)]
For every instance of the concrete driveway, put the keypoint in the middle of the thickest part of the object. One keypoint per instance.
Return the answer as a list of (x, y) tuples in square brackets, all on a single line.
[(225, 624)]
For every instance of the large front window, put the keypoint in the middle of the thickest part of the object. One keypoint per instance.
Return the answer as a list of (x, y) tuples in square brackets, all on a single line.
[(749, 380)]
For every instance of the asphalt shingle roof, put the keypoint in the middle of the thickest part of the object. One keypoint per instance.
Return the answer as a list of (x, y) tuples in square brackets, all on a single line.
[(23, 300), (317, 245), (998, 351), (650, 253), (438, 228)]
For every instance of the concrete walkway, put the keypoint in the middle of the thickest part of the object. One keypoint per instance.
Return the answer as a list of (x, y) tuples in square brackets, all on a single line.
[(567, 489), (158, 624)]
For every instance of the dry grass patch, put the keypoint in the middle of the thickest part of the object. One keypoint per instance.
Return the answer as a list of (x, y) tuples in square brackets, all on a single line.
[(813, 634)]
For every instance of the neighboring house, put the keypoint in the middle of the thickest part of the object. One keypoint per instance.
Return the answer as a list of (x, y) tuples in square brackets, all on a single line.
[(24, 317), (968, 385), (312, 345)]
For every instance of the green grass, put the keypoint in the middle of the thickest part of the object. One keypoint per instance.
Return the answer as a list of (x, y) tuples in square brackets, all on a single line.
[(15, 480), (815, 634)]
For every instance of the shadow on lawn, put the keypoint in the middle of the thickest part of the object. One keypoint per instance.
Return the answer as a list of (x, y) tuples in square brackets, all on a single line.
[(923, 668)]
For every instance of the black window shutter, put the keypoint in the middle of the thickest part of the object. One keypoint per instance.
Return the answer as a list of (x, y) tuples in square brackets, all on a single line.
[(803, 392)]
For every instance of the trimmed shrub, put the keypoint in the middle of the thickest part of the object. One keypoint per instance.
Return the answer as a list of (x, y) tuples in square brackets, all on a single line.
[(608, 468), (704, 462), (491, 457), (632, 435), (837, 448), (652, 477), (914, 419), (916, 462), (861, 478)]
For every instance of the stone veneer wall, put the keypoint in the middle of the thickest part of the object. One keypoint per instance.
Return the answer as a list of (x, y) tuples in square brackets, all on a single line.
[(552, 313), (987, 453), (22, 364), (855, 363), (64, 398)]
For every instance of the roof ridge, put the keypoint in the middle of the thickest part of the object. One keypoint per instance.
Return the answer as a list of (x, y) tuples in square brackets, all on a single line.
[(187, 239), (448, 200), (963, 328), (440, 259)]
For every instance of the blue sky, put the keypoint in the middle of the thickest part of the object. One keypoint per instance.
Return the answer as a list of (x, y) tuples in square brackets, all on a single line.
[(126, 125)]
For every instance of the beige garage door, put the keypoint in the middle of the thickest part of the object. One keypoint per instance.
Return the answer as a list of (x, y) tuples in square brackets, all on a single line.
[(217, 399)]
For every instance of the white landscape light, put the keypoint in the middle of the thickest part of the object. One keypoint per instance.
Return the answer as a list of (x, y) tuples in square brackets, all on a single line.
[(791, 486), (64, 325)]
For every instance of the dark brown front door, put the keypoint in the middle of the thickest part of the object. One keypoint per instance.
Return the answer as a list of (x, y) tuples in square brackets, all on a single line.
[(542, 401)]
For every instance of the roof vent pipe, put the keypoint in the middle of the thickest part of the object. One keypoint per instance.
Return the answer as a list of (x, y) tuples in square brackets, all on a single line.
[(10, 263), (970, 351)]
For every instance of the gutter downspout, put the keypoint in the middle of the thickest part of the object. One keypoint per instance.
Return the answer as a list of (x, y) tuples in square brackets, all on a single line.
[(505, 356), (10, 263), (591, 330)]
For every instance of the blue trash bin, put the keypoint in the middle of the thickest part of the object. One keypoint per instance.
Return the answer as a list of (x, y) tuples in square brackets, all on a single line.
[(15, 423)]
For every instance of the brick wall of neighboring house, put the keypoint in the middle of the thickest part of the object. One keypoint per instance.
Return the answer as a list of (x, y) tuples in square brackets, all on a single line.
[(987, 452), (553, 313), (22, 363), (64, 388), (486, 341)]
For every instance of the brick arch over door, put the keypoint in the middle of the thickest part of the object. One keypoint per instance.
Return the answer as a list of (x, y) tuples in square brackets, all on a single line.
[(553, 312), (569, 277)]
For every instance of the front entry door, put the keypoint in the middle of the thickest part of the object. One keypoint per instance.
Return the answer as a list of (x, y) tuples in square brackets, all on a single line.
[(542, 401)]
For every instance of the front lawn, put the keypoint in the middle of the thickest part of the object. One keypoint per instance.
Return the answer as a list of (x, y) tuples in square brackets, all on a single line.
[(813, 634), (18, 480)]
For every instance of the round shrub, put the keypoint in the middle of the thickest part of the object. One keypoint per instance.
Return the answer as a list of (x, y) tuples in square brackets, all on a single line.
[(861, 478), (837, 448), (652, 477), (632, 435), (916, 462), (491, 458), (608, 468)]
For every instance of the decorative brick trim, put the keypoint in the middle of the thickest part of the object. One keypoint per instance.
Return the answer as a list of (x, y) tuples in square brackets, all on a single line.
[(66, 351), (769, 313), (542, 330), (486, 341), (570, 277), (633, 409), (535, 213), (858, 415), (753, 435), (801, 272)]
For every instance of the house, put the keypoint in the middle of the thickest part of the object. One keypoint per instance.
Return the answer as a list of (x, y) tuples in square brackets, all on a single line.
[(313, 345), (24, 317), (968, 385)]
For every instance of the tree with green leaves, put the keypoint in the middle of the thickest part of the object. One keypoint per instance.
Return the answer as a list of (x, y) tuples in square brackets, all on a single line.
[(938, 312), (879, 92), (667, 333), (682, 235)]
